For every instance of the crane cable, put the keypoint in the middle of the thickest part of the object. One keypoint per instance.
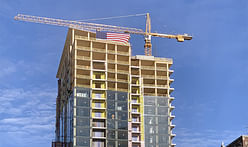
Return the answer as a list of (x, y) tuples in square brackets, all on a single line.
[(112, 17)]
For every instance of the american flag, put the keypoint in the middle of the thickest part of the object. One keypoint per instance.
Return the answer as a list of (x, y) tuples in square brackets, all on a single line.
[(119, 37)]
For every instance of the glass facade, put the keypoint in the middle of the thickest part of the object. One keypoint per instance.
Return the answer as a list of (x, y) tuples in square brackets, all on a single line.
[(117, 119), (82, 117), (156, 121)]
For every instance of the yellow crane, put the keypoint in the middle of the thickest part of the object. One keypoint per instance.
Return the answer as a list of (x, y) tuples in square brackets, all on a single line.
[(85, 26)]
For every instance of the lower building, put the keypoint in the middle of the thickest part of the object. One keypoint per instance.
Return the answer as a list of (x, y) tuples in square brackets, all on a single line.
[(108, 98), (242, 141)]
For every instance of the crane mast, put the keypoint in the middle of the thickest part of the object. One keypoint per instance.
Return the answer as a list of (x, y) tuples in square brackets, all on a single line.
[(85, 26)]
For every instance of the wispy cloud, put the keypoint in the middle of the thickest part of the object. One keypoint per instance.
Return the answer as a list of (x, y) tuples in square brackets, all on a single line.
[(28, 115), (204, 138)]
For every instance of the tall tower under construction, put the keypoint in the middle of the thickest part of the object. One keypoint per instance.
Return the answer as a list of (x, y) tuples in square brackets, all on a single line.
[(109, 98)]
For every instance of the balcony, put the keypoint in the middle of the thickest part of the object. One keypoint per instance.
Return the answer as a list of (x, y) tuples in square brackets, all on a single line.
[(84, 67), (148, 76), (123, 71), (172, 135), (99, 50), (99, 125), (162, 77), (99, 108), (83, 76), (148, 67), (172, 117), (135, 102), (83, 58), (122, 62), (123, 53), (135, 130), (135, 139), (98, 144), (111, 51), (111, 70), (98, 135), (149, 94), (149, 85), (83, 48), (135, 111), (111, 61), (161, 68)]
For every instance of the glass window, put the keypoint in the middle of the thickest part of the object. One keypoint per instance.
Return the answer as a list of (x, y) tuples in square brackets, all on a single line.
[(149, 100), (82, 93), (150, 140), (122, 106), (162, 130), (162, 101), (162, 120), (122, 144), (123, 125), (111, 105), (82, 131), (83, 112), (84, 102), (111, 95), (163, 139), (110, 124), (122, 115), (111, 114), (121, 96), (150, 120), (98, 114), (83, 122), (80, 141), (111, 143), (135, 138), (122, 135), (150, 110), (111, 134), (162, 110)]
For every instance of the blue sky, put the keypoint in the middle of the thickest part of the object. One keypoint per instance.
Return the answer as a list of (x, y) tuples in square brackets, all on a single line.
[(210, 75)]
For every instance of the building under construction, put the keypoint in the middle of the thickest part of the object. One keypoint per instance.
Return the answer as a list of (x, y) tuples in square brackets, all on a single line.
[(109, 98), (106, 96)]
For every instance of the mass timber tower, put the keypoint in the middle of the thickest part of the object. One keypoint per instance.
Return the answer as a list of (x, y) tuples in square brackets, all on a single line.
[(108, 98)]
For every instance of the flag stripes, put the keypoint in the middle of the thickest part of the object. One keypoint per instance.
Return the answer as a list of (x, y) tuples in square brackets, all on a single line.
[(119, 37)]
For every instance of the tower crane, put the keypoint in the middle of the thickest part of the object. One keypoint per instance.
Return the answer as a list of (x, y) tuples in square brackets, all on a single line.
[(85, 26)]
